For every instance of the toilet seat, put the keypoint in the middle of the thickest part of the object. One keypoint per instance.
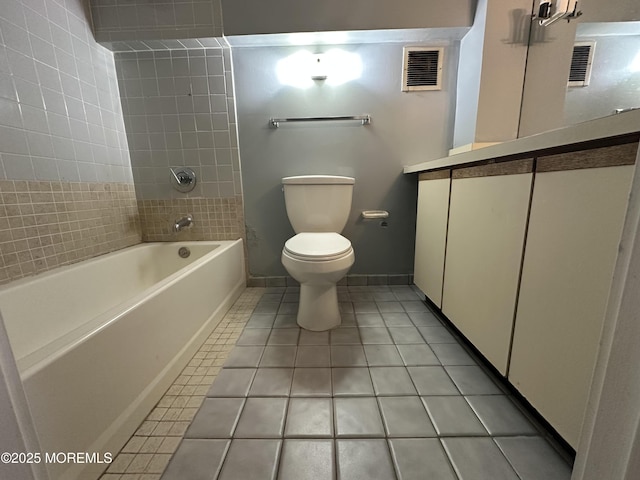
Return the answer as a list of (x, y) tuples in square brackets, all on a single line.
[(317, 246)]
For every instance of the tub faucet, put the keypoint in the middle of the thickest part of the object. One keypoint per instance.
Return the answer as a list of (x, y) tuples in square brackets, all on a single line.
[(182, 223)]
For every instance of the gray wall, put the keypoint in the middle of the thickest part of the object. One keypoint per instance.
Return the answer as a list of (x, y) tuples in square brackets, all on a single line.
[(406, 128), (278, 16)]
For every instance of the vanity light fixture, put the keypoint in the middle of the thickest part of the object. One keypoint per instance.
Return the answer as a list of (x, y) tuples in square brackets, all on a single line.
[(318, 67)]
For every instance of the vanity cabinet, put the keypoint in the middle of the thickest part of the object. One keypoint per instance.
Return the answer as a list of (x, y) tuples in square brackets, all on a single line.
[(431, 232), (577, 212), (487, 223)]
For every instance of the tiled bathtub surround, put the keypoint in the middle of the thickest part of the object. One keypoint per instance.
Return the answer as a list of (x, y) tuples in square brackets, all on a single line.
[(44, 225), (150, 19), (61, 118), (179, 110), (390, 394), (214, 219)]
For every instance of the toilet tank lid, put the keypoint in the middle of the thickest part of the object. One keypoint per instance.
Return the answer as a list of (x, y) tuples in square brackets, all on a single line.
[(318, 180)]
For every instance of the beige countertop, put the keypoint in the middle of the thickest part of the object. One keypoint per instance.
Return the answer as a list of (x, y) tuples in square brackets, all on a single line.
[(616, 125)]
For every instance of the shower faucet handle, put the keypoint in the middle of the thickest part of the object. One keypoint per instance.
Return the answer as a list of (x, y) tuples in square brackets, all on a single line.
[(184, 179)]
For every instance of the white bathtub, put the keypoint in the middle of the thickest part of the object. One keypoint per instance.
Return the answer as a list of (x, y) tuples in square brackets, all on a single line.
[(99, 342)]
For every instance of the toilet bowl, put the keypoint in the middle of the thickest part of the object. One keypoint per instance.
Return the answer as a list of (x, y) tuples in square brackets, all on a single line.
[(318, 256), (318, 261)]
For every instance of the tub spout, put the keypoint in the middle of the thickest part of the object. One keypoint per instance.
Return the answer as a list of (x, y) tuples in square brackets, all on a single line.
[(182, 223)]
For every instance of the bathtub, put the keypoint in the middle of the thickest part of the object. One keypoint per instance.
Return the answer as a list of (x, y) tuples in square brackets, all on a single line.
[(98, 343)]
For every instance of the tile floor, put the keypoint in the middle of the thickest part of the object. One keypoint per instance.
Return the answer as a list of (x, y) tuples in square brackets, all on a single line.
[(390, 394)]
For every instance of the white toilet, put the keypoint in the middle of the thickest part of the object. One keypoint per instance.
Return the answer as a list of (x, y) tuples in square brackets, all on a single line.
[(318, 256)]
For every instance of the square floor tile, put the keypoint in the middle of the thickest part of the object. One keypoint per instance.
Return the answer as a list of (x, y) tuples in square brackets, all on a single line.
[(418, 355), (452, 354), (390, 307), (357, 417), (250, 459), (288, 309), (424, 319), (348, 319), (254, 336), (280, 356), (310, 417), (452, 416), (262, 418), (244, 357), (405, 417), (345, 306), (414, 306), (348, 356), (286, 321), (534, 459), (500, 416), (406, 293), (392, 381), (284, 336), (375, 335), (291, 297), (420, 459), (478, 459), (371, 319), (432, 381), (364, 460), (313, 356), (267, 307), (216, 418), (382, 356), (271, 382), (345, 336), (472, 380), (313, 338), (196, 459), (361, 296), (232, 382), (365, 307), (384, 296), (261, 320), (437, 335), (403, 335), (307, 460), (351, 382), (271, 298), (311, 382), (397, 320)]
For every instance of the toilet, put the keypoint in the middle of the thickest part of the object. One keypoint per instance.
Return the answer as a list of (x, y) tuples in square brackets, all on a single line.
[(318, 256)]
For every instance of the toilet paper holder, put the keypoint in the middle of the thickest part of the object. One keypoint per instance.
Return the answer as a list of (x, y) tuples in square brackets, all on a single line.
[(375, 214)]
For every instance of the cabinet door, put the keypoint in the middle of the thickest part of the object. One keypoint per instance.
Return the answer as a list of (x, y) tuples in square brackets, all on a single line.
[(431, 235), (487, 222), (574, 229)]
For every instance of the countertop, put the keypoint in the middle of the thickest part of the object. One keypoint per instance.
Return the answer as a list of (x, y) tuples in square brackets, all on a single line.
[(622, 124)]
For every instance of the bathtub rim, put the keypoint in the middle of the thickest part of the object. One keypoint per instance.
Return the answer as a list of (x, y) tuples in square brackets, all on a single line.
[(35, 361)]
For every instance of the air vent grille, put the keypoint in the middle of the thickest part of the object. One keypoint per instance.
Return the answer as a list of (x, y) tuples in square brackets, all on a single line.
[(422, 69), (581, 61)]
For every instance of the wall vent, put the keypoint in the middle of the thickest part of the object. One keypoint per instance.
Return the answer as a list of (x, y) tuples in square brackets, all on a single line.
[(422, 69), (581, 61)]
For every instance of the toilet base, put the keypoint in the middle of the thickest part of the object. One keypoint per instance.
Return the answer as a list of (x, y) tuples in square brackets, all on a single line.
[(318, 310)]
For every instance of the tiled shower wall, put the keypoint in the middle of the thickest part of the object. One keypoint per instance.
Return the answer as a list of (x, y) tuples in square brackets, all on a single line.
[(156, 19), (179, 110), (65, 175)]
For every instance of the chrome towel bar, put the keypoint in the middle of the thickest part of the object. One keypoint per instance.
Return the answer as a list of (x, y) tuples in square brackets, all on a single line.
[(275, 122)]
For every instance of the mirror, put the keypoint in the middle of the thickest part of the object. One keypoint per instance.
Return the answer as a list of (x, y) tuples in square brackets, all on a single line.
[(605, 73)]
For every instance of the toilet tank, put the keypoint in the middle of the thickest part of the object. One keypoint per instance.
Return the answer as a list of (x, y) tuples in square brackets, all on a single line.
[(318, 203)]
